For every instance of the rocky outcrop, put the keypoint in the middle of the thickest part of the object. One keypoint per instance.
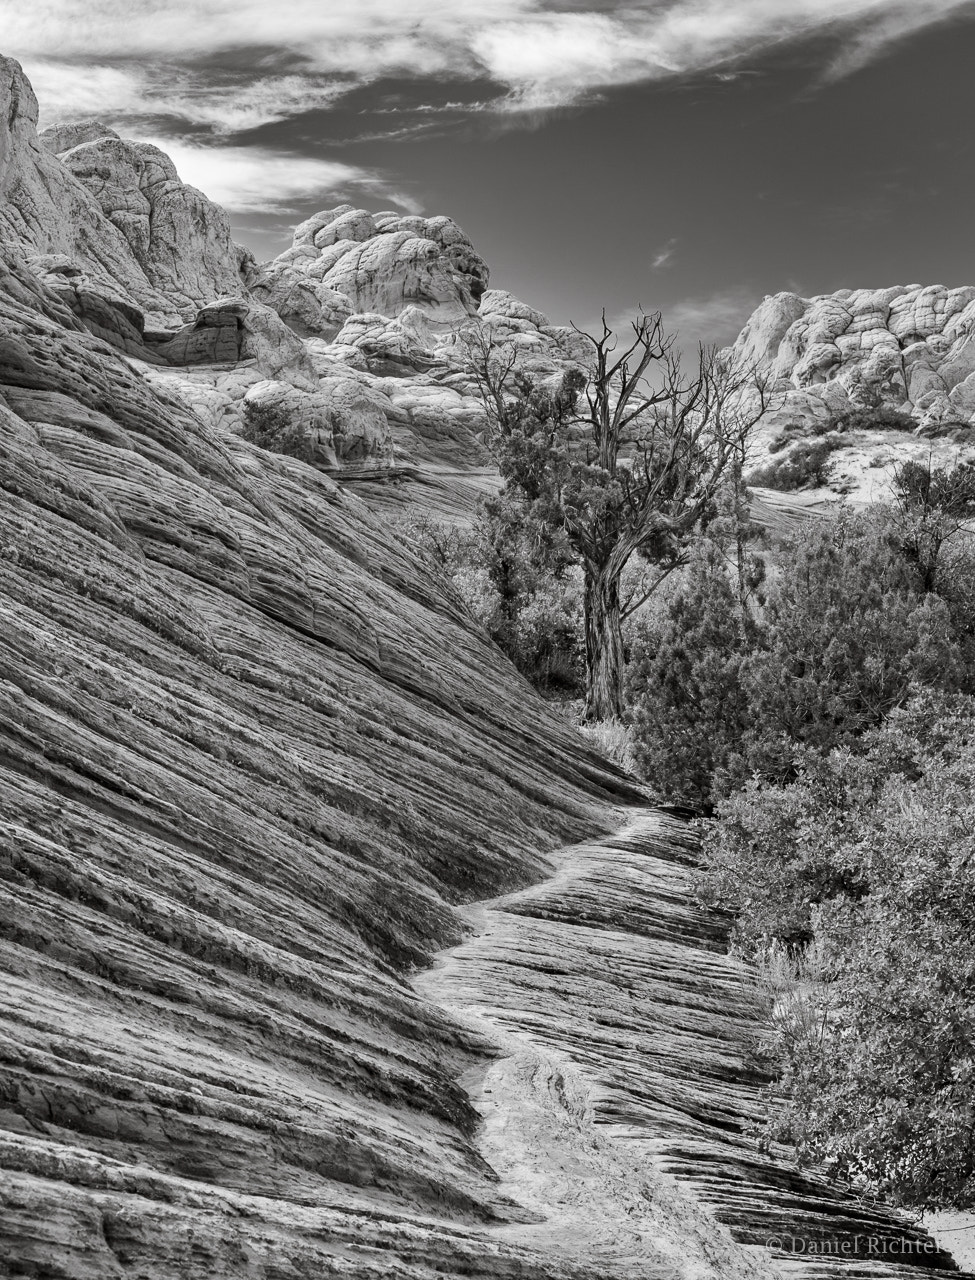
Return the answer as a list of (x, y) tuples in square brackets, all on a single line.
[(180, 239), (380, 263), (909, 347), (115, 210), (849, 357), (362, 313)]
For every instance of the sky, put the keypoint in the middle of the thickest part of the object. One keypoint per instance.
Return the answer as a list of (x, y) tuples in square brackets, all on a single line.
[(689, 156)]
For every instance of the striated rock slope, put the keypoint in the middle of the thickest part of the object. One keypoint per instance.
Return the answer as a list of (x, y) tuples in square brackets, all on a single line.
[(250, 757), (625, 1077)]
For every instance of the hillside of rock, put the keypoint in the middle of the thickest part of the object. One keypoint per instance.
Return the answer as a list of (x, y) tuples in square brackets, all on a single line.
[(845, 358), (251, 757)]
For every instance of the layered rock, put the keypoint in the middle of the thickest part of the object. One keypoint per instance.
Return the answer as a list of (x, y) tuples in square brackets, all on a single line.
[(380, 263), (625, 1080), (115, 210), (144, 261), (250, 757)]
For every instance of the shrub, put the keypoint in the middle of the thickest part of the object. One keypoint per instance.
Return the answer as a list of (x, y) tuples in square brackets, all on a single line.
[(614, 739), (514, 582), (688, 703), (272, 427), (804, 466), (849, 632), (718, 692), (870, 855), (878, 418)]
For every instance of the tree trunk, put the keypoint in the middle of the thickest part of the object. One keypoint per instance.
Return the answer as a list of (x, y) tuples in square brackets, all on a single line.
[(604, 645)]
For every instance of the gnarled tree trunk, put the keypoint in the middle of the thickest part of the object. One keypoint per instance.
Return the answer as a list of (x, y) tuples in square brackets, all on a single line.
[(604, 645)]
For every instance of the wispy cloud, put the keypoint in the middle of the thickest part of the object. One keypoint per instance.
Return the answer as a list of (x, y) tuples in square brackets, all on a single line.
[(542, 53), (665, 255), (128, 93), (257, 180), (715, 318)]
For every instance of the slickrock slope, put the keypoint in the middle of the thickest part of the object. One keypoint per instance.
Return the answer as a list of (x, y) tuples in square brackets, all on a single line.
[(624, 1079), (910, 348), (250, 755)]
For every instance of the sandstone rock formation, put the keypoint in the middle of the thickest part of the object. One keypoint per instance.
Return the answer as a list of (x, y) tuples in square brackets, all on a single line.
[(385, 263), (179, 238), (909, 348), (251, 756)]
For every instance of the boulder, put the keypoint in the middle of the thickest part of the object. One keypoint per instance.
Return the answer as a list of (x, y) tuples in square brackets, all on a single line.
[(179, 238), (384, 264)]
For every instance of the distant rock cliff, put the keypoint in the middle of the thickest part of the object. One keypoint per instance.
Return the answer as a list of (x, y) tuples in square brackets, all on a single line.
[(910, 348)]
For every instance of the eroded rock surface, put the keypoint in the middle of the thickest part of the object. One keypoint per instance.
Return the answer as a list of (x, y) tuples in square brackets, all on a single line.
[(909, 348), (625, 1080), (251, 757)]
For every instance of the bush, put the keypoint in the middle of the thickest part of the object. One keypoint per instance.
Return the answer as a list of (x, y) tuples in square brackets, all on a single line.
[(689, 707), (879, 418), (848, 633), (804, 466), (718, 693), (870, 855), (272, 427), (613, 738)]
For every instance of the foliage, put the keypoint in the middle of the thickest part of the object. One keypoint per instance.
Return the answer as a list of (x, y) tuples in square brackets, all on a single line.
[(689, 704), (932, 504), (728, 683), (272, 427), (613, 739), (804, 466), (617, 464), (881, 417), (871, 854), (516, 584), (849, 631)]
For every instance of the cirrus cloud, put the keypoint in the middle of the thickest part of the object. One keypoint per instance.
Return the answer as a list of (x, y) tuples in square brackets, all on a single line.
[(258, 180), (541, 53)]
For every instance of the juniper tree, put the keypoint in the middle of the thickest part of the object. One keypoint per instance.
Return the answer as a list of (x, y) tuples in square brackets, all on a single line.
[(623, 459)]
